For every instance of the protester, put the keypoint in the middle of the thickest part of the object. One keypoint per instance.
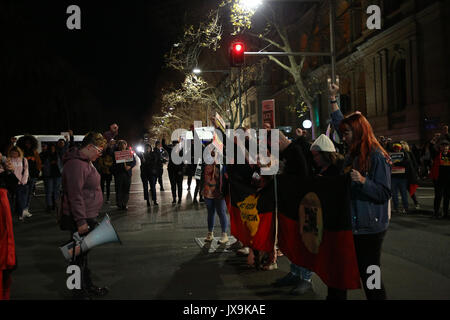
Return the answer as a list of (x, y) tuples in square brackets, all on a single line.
[(104, 166), (82, 201), (402, 167), (175, 170), (122, 175), (440, 174), (29, 146), (412, 173), (112, 133), (164, 158), (150, 167), (8, 183), (213, 182), (18, 200), (51, 173), (370, 171)]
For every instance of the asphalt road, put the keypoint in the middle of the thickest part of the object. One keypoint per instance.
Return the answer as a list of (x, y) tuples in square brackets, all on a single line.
[(159, 258)]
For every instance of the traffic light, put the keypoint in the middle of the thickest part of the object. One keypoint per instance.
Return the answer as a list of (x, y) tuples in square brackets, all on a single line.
[(237, 50)]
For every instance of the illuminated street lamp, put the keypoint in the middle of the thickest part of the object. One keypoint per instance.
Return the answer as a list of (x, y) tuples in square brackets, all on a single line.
[(250, 4), (307, 124)]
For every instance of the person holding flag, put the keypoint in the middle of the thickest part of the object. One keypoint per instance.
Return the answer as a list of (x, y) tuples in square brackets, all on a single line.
[(369, 166)]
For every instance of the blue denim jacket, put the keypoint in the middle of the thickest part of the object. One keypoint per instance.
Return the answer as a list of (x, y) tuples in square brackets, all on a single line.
[(370, 200)]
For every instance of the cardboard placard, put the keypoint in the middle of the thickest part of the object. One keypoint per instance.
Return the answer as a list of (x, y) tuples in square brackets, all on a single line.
[(268, 112), (220, 123), (123, 156)]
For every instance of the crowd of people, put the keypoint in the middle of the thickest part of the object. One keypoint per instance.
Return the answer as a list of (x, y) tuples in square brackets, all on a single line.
[(80, 176)]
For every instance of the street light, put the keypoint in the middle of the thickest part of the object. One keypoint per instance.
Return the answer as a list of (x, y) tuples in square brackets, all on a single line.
[(250, 4), (307, 124), (198, 71)]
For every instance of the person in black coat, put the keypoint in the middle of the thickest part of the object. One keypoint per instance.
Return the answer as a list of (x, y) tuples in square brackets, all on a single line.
[(122, 178), (151, 162), (175, 170)]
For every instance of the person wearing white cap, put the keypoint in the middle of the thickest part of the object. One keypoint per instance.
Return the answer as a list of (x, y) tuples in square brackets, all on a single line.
[(329, 163), (327, 160)]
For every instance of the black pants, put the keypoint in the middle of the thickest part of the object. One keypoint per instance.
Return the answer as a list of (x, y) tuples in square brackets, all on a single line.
[(368, 253), (190, 173), (106, 180), (176, 182), (146, 180), (82, 259), (123, 184), (198, 189), (160, 180), (441, 190)]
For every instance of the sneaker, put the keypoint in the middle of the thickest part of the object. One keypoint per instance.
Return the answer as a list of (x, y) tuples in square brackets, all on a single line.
[(417, 206), (301, 288), (224, 238), (402, 211), (243, 251), (201, 199), (21, 218), (155, 203), (288, 280), (27, 213), (179, 201), (269, 267), (209, 237), (174, 201)]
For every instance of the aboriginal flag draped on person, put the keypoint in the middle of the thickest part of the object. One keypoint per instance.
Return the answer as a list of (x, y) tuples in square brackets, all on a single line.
[(314, 220), (251, 206)]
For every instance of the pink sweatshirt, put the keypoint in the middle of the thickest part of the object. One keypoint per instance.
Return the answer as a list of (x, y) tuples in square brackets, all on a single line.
[(83, 196), (18, 169)]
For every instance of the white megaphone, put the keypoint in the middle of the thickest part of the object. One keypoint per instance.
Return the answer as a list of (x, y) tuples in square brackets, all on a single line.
[(103, 233)]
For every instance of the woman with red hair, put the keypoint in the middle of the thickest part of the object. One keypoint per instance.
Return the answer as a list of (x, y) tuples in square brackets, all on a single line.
[(369, 166)]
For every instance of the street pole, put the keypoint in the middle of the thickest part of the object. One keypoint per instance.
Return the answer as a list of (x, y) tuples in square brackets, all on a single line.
[(332, 39), (240, 105)]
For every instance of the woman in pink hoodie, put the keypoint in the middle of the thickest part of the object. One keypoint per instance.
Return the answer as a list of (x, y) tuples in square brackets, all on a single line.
[(83, 199), (20, 198)]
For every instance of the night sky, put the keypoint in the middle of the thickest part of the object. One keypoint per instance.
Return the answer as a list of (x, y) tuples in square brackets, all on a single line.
[(108, 71)]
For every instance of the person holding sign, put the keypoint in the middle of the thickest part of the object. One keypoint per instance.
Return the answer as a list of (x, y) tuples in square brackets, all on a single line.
[(401, 166), (124, 162)]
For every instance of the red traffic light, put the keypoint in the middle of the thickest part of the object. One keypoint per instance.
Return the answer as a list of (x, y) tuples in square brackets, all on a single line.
[(238, 47), (237, 54)]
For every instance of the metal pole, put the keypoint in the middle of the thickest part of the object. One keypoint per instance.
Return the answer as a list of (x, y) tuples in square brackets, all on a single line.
[(240, 106), (332, 39)]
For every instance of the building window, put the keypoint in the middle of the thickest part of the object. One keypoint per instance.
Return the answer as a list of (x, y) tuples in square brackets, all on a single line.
[(398, 81)]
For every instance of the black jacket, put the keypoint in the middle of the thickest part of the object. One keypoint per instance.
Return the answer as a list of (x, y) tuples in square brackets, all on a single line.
[(151, 163), (172, 167)]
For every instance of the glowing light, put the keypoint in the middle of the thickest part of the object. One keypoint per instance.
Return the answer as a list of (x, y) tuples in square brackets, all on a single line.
[(250, 5), (140, 149), (307, 124), (197, 71)]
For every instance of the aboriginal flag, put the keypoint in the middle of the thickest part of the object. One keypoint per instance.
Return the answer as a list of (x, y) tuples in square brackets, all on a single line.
[(315, 229), (251, 203)]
